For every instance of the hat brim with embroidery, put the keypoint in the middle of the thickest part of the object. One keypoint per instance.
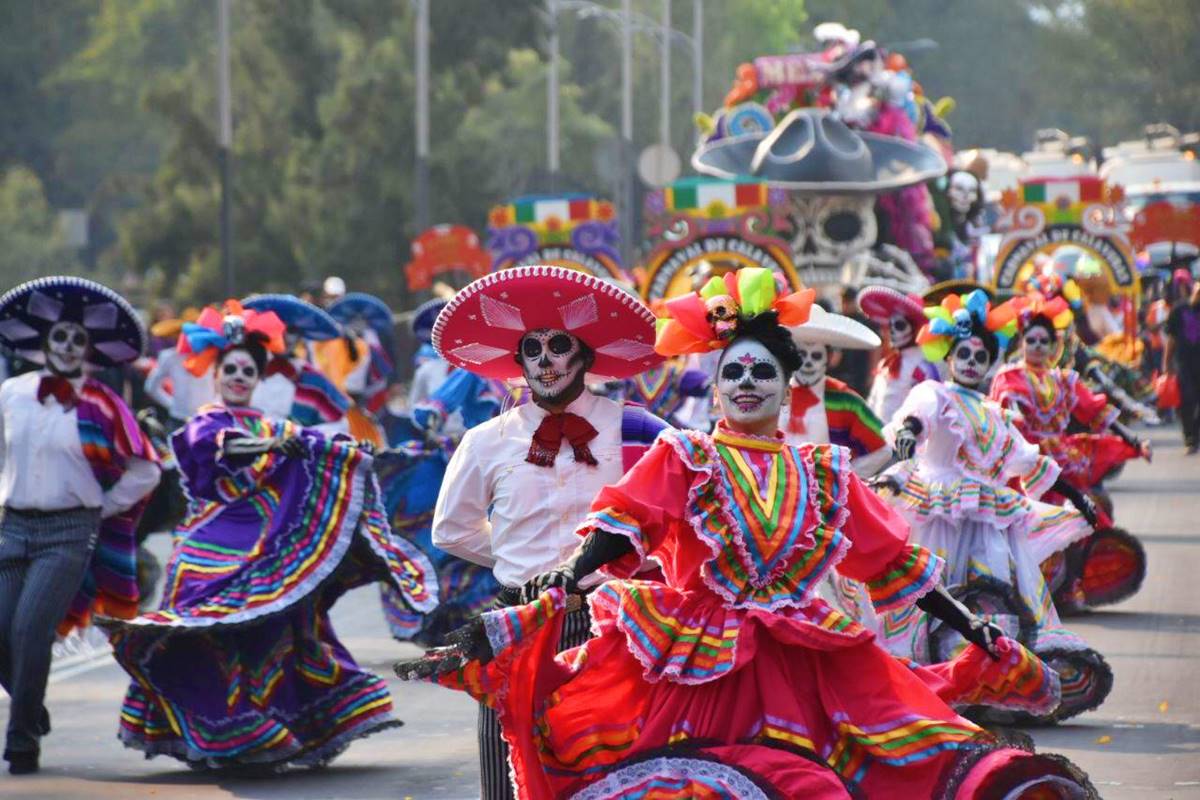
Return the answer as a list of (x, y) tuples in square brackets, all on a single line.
[(881, 303), (834, 330), (481, 327), (308, 320), (367, 307), (30, 310)]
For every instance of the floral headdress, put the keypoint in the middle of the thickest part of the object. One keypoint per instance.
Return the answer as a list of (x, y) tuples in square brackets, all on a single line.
[(1033, 305), (960, 317), (217, 331), (700, 322)]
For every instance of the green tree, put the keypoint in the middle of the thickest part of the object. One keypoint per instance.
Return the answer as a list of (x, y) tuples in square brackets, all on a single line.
[(31, 244)]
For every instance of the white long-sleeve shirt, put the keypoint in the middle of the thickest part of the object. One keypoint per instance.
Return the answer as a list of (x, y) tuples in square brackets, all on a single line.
[(534, 510), (188, 392), (43, 467)]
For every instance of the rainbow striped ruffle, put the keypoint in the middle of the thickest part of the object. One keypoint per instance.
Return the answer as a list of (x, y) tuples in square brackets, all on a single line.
[(911, 574)]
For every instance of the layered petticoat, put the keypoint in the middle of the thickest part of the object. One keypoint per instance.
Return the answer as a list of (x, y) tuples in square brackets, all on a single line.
[(240, 664)]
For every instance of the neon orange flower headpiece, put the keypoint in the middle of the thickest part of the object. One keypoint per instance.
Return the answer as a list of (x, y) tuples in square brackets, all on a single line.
[(1033, 305), (216, 331), (700, 322), (960, 317)]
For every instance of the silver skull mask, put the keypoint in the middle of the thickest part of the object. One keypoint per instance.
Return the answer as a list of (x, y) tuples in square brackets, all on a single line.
[(66, 348)]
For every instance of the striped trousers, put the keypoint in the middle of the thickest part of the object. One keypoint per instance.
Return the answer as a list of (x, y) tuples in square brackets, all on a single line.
[(43, 559), (493, 751)]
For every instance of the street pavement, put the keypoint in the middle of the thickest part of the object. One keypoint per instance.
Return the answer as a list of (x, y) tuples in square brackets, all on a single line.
[(1144, 742)]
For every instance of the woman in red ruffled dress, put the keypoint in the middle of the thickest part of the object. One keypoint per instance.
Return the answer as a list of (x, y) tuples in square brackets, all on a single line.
[(1079, 429), (733, 679)]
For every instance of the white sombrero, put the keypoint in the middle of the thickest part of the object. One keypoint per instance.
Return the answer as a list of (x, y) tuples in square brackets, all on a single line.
[(480, 328), (835, 330)]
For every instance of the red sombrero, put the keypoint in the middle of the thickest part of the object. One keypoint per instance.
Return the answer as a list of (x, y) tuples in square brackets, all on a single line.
[(480, 328), (881, 302)]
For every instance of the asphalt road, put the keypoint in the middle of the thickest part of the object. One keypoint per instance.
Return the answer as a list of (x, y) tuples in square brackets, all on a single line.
[(1143, 743)]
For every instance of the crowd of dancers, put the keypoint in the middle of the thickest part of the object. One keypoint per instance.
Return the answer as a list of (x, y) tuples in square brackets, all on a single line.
[(668, 551)]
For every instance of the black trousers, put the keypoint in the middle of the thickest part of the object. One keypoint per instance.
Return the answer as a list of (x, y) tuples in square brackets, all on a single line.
[(493, 751), (1189, 407)]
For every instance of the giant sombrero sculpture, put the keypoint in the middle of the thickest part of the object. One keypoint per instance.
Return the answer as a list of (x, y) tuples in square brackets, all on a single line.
[(311, 322), (28, 311), (480, 328)]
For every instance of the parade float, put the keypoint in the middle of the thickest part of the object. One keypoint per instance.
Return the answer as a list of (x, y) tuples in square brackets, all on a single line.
[(446, 252), (576, 231), (842, 141)]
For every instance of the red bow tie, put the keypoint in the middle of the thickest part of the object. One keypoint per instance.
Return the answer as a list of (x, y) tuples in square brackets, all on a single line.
[(547, 439), (803, 398), (281, 365), (59, 388)]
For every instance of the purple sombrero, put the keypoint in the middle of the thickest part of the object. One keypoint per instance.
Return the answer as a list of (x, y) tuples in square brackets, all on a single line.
[(881, 302), (28, 311), (480, 328)]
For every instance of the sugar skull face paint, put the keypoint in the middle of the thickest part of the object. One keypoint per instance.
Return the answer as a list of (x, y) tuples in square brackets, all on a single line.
[(969, 362), (813, 363), (237, 375), (553, 363), (1039, 345), (66, 347), (900, 330), (750, 384)]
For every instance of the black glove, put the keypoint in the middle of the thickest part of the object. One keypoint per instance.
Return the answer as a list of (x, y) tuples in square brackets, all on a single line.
[(979, 632), (598, 549), (290, 447), (906, 438), (1078, 499), (367, 447), (468, 643)]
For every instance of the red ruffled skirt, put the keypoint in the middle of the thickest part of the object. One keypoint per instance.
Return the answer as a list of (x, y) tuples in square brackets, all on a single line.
[(788, 720)]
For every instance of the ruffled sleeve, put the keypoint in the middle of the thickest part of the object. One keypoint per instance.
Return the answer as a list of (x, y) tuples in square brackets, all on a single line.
[(1091, 408), (1036, 472), (895, 571), (642, 506), (209, 472), (923, 404)]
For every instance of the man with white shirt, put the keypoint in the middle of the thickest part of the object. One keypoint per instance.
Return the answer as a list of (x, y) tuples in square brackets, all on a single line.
[(519, 484), (75, 469)]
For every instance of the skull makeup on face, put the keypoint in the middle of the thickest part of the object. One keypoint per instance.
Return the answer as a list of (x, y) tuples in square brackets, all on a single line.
[(969, 362), (1038, 345), (963, 192), (553, 362), (813, 363), (750, 384), (66, 347), (900, 330), (237, 375)]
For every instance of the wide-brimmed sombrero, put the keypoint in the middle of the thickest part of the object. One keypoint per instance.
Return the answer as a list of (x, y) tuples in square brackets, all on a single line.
[(424, 316), (28, 311), (881, 302), (934, 294), (812, 150), (480, 328), (305, 318), (835, 330), (360, 305)]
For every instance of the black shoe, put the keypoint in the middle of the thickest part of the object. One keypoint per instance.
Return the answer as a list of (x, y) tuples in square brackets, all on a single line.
[(1192, 449), (43, 727), (23, 763)]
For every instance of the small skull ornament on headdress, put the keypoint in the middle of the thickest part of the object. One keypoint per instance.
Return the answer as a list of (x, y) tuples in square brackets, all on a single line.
[(722, 315), (233, 327)]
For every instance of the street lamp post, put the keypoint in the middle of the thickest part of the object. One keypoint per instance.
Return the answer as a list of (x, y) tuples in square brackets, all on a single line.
[(697, 56), (664, 121), (225, 146), (552, 114), (422, 115)]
